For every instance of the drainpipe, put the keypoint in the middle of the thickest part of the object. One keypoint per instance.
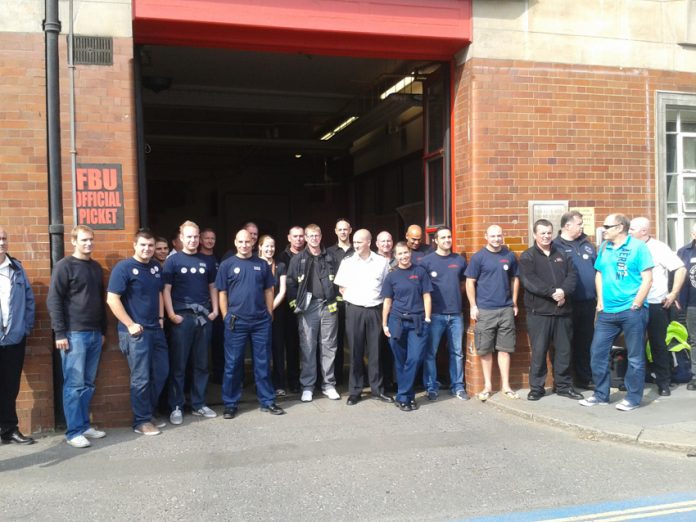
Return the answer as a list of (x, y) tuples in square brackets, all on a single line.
[(143, 211), (51, 27), (73, 144)]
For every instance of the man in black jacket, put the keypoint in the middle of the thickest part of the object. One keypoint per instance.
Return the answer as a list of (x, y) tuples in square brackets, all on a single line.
[(549, 278), (312, 296)]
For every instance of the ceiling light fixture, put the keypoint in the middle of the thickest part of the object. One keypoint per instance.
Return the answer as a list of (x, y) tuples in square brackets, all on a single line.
[(338, 129), (398, 86)]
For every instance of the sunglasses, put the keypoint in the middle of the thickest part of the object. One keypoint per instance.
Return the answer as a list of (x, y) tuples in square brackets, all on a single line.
[(607, 227)]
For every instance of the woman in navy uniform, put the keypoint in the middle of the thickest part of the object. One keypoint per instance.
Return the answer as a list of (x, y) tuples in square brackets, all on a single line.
[(406, 321)]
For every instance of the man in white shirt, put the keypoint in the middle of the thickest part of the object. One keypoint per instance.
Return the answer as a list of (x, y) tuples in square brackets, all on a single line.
[(360, 279), (660, 299)]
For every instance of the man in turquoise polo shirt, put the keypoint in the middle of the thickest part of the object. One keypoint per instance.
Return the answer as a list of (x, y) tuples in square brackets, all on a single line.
[(624, 276)]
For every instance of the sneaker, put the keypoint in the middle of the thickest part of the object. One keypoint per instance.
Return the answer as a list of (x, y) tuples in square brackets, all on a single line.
[(624, 405), (176, 417), (462, 395), (280, 392), (432, 395), (91, 433), (307, 396), (157, 422), (146, 428), (331, 393), (592, 401), (79, 442), (206, 412)]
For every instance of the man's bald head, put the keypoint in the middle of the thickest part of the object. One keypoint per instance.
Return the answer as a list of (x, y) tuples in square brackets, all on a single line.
[(414, 237)]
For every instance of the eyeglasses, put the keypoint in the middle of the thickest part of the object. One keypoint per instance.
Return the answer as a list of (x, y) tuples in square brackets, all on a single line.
[(607, 227)]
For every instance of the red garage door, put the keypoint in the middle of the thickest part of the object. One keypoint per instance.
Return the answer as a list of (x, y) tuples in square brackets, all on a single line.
[(409, 29)]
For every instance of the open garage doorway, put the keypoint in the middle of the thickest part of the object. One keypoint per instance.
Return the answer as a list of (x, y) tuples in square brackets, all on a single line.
[(281, 139)]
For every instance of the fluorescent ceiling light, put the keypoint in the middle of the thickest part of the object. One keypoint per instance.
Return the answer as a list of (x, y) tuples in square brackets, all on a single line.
[(338, 129), (398, 86)]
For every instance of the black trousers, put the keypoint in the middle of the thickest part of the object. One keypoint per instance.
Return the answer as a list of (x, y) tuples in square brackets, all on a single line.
[(11, 363), (278, 348), (363, 326), (658, 320), (583, 330), (544, 330), (292, 349)]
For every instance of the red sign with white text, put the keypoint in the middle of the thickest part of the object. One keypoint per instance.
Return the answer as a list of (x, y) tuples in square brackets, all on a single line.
[(99, 196)]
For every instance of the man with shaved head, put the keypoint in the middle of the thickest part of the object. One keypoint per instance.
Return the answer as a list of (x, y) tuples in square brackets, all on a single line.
[(414, 240), (660, 299), (492, 287), (360, 279), (245, 288)]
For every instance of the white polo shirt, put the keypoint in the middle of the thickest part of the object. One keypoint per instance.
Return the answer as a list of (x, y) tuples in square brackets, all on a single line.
[(5, 289), (362, 279), (665, 261)]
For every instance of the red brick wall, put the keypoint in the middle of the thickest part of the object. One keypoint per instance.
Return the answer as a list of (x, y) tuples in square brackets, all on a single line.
[(105, 134), (539, 131)]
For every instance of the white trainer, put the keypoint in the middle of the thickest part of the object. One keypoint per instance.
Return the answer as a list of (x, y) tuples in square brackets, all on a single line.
[(92, 433), (306, 396), (624, 405), (331, 393), (176, 417), (205, 412), (79, 442)]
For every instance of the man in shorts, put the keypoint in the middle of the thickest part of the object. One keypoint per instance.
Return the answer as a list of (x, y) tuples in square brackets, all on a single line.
[(492, 287)]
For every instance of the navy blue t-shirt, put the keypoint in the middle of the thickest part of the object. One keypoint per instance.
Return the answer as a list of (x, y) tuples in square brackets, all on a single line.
[(189, 276), (446, 273), (493, 272), (245, 280), (139, 286), (406, 286), (211, 261), (280, 271)]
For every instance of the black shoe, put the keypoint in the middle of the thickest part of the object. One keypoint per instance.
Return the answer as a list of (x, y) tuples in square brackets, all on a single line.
[(273, 409), (535, 395), (229, 413), (16, 436), (622, 387), (570, 393), (691, 386), (294, 389), (583, 385), (403, 406), (353, 400), (663, 390), (384, 398), (414, 405)]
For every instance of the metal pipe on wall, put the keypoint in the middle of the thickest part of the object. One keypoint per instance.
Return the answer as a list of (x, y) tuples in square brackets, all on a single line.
[(73, 138)]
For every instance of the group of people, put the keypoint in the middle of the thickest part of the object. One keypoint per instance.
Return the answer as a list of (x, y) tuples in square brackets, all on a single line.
[(393, 305)]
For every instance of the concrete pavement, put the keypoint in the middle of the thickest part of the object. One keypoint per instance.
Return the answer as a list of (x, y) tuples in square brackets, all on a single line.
[(660, 422)]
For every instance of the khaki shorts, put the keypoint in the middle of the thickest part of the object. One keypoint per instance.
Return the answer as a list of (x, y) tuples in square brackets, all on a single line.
[(495, 330)]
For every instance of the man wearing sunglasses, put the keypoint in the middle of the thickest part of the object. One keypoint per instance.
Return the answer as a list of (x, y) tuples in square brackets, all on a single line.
[(624, 276)]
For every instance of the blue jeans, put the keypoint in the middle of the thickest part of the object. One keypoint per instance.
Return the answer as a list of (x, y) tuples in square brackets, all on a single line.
[(186, 337), (80, 362), (148, 361), (408, 355), (454, 325), (607, 328), (259, 334)]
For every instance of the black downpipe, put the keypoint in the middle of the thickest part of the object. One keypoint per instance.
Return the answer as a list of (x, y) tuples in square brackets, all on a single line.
[(56, 227), (140, 138)]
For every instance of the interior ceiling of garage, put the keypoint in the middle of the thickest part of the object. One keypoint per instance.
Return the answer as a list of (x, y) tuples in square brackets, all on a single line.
[(222, 98)]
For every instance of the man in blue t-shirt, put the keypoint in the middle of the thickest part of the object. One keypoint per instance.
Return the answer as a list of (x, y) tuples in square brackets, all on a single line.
[(492, 287), (134, 295), (446, 270), (191, 303), (624, 276), (245, 286)]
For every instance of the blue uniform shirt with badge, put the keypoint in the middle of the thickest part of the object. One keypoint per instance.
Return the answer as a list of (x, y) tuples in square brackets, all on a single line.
[(493, 272), (405, 287), (621, 270), (139, 285), (446, 274), (245, 281), (190, 277)]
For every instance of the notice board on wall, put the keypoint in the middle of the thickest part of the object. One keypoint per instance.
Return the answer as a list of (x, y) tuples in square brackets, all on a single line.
[(99, 195)]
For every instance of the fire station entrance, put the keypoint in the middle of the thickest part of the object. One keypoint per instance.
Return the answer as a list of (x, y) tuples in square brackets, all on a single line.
[(286, 113)]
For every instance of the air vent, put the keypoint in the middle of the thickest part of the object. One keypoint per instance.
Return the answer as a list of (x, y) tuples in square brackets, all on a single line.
[(94, 50)]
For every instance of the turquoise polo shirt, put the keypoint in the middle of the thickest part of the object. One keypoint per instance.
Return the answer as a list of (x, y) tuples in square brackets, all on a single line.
[(621, 268)]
